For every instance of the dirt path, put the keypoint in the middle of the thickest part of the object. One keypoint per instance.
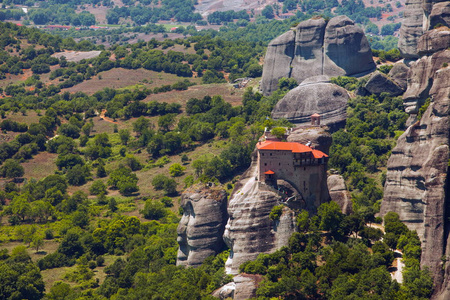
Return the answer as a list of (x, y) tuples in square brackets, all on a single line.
[(103, 117), (398, 274)]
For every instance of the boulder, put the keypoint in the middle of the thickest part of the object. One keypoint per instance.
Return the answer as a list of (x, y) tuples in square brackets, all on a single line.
[(440, 14), (339, 193), (399, 73), (201, 228), (316, 47), (417, 172), (246, 285), (380, 83), (226, 291), (317, 136), (324, 98), (434, 40)]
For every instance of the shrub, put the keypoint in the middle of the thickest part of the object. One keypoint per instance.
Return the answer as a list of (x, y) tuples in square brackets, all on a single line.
[(276, 212)]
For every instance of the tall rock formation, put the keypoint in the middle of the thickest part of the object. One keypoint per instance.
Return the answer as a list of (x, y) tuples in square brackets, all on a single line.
[(249, 230), (417, 180), (421, 16), (201, 228), (316, 47)]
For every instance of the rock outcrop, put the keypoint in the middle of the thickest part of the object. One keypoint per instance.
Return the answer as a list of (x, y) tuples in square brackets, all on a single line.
[(433, 41), (421, 16), (314, 95), (316, 47), (317, 136), (399, 73), (417, 180), (411, 29), (339, 193), (249, 230), (201, 228), (380, 83)]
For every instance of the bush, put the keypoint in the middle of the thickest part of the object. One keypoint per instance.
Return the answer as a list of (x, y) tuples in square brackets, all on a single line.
[(153, 210), (176, 170), (97, 188), (48, 234), (100, 260), (276, 212), (167, 201)]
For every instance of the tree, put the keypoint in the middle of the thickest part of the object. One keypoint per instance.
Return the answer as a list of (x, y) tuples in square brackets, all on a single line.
[(37, 242), (279, 132), (97, 188), (124, 135), (158, 181), (112, 204), (162, 182), (12, 169), (176, 170), (153, 210), (125, 180), (268, 12), (78, 175), (166, 121), (141, 125), (330, 217)]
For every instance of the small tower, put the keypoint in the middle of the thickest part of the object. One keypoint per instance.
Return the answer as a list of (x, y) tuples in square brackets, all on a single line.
[(315, 119)]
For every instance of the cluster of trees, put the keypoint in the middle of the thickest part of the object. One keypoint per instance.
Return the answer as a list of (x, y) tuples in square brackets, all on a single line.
[(61, 15), (364, 146), (181, 10), (344, 267), (219, 17)]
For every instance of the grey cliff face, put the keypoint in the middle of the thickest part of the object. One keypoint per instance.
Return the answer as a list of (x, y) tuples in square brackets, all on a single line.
[(201, 228), (399, 73), (339, 193), (417, 177), (315, 47), (324, 98), (421, 16), (420, 79), (249, 230), (433, 41), (411, 29)]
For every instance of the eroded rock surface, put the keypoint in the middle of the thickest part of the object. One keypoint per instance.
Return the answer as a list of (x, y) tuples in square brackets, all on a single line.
[(411, 29), (249, 230), (316, 47), (380, 83), (421, 16), (317, 136), (434, 40), (417, 176), (310, 97), (399, 73), (201, 228), (339, 193)]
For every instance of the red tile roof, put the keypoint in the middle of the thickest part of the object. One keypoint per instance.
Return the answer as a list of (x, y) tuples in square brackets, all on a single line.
[(270, 172), (289, 146)]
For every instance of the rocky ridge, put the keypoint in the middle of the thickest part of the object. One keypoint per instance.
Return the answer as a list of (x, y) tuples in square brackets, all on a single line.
[(316, 47), (417, 179)]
